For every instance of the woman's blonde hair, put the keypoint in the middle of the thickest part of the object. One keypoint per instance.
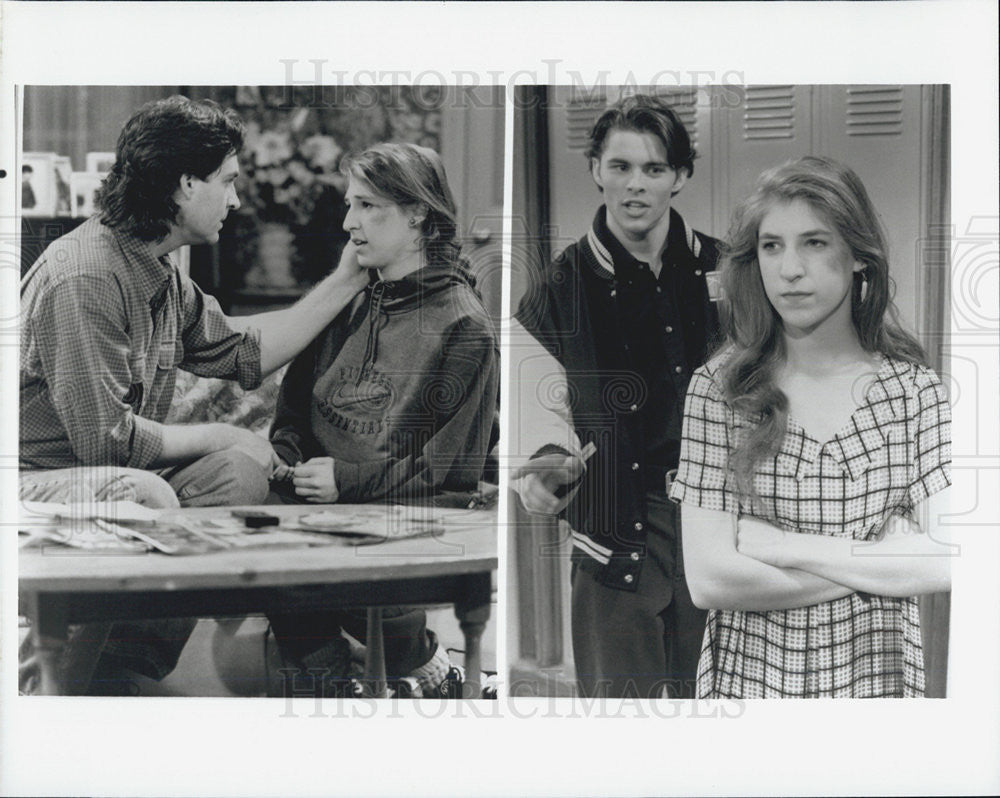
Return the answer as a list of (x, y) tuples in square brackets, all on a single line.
[(752, 326), (410, 175)]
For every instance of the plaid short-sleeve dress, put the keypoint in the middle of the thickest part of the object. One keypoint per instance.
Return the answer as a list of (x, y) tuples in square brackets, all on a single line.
[(894, 452)]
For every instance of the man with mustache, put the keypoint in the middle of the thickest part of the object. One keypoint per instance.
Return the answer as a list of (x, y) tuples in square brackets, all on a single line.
[(107, 319), (626, 312)]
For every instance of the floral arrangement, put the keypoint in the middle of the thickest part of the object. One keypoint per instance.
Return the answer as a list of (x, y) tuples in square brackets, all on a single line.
[(290, 167), (286, 169)]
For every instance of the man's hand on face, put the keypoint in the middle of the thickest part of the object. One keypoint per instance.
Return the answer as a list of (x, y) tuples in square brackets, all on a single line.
[(542, 481), (348, 270)]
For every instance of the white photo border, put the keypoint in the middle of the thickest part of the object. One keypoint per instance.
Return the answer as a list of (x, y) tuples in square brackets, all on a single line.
[(544, 746)]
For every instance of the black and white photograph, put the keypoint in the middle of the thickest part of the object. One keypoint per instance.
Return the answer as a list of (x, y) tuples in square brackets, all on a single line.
[(99, 161), (733, 442), (38, 184), (83, 188), (63, 168), (324, 359), (499, 399)]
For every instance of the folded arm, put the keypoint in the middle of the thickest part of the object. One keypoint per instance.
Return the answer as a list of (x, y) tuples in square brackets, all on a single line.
[(721, 577), (906, 560)]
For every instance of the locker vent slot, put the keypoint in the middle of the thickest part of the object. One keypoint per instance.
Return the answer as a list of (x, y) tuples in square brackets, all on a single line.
[(874, 110), (582, 112), (684, 101), (769, 113)]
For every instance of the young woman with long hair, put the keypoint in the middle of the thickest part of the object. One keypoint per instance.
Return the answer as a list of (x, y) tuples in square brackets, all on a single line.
[(395, 401), (812, 442)]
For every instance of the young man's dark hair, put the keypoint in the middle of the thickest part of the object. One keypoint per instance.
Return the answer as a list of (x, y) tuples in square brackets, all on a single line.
[(98, 368), (644, 113), (162, 142), (627, 304)]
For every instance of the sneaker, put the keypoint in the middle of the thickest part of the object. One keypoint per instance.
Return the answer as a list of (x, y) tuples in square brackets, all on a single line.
[(452, 686), (326, 672), (489, 681), (429, 676), (407, 687)]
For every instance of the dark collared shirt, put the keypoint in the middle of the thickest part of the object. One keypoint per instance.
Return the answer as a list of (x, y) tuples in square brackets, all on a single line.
[(104, 327), (664, 338)]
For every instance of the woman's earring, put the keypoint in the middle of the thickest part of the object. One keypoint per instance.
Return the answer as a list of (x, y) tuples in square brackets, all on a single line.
[(864, 285), (413, 221)]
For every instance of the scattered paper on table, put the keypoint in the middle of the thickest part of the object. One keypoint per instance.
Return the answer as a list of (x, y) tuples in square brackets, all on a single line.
[(120, 512)]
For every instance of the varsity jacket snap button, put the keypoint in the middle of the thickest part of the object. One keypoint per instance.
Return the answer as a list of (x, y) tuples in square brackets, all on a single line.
[(634, 556), (697, 272), (629, 579), (614, 293), (678, 369), (633, 408), (635, 466), (669, 329), (638, 526)]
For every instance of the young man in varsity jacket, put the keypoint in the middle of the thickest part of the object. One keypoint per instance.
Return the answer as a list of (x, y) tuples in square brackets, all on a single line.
[(626, 313)]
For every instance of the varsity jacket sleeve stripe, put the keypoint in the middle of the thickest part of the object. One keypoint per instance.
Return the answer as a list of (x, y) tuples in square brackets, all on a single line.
[(600, 553)]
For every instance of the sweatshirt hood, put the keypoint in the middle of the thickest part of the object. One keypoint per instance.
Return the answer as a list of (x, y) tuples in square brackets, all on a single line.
[(414, 288), (407, 293)]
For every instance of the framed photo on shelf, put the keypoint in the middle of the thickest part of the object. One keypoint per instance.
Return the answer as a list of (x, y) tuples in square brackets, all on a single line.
[(100, 161), (83, 186), (62, 173), (38, 184)]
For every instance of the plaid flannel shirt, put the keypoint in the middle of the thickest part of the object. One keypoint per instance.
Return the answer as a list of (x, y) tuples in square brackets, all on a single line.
[(894, 453), (105, 326)]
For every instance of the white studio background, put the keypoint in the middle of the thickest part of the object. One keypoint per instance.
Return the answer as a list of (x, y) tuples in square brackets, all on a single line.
[(540, 747)]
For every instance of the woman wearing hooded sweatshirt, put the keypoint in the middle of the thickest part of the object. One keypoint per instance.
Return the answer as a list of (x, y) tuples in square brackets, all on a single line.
[(394, 402)]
